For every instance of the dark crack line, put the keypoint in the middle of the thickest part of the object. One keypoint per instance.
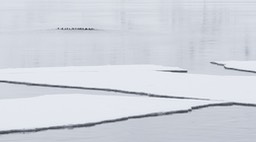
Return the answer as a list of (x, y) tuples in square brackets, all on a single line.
[(23, 131), (235, 69), (103, 89), (174, 71)]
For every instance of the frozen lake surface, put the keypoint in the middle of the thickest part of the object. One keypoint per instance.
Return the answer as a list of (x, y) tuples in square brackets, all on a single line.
[(236, 124), (183, 33)]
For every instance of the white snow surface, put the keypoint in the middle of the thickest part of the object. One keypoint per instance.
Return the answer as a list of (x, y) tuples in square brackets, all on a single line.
[(105, 68), (59, 110), (228, 88), (238, 65)]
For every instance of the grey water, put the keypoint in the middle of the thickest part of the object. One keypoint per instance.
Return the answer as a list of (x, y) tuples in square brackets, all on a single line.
[(218, 124), (183, 33)]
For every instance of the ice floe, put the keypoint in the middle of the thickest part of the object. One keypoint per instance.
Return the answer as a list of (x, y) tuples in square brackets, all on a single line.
[(139, 79), (247, 66), (80, 110)]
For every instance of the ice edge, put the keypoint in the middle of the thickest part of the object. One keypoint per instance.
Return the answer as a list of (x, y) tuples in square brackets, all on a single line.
[(5, 132), (104, 89), (230, 68)]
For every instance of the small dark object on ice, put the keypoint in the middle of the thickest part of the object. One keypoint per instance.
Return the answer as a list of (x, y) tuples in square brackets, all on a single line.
[(83, 29)]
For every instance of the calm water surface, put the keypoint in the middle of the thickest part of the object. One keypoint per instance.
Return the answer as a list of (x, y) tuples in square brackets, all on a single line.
[(184, 33)]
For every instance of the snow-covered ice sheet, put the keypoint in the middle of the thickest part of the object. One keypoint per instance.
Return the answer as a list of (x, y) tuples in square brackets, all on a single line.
[(58, 110), (105, 68), (247, 66), (129, 78)]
